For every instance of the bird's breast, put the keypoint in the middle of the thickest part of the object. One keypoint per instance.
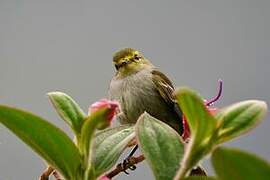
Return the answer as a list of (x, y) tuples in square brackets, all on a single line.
[(136, 93)]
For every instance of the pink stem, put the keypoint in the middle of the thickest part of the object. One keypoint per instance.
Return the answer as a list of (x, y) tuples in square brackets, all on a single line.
[(210, 102)]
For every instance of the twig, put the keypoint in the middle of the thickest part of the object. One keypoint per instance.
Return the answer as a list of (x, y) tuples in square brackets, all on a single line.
[(120, 168), (46, 174)]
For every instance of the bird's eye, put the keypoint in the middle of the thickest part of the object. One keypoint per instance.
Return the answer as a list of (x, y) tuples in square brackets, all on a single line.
[(124, 63), (136, 57)]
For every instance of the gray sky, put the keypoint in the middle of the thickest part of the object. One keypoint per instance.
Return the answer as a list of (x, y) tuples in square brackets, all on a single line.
[(67, 45)]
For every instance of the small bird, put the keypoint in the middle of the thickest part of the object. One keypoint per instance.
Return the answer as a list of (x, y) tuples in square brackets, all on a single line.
[(139, 86)]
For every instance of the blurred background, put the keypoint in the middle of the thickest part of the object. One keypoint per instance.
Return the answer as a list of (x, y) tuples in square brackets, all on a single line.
[(67, 45)]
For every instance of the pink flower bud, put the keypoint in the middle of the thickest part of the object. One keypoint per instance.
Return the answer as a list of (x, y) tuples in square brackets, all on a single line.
[(112, 106), (186, 133), (207, 103)]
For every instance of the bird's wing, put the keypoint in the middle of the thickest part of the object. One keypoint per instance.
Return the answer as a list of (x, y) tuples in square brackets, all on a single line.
[(164, 86), (166, 90)]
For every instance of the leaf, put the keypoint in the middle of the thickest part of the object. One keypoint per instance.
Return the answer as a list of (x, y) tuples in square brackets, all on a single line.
[(201, 122), (68, 110), (238, 165), (101, 135), (44, 138), (202, 125), (161, 146), (109, 145), (88, 130), (239, 118)]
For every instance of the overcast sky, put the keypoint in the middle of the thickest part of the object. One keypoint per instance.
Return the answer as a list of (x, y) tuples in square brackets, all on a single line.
[(68, 45)]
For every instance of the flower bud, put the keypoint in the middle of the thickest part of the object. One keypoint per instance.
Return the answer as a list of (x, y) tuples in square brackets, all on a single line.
[(212, 111), (111, 106)]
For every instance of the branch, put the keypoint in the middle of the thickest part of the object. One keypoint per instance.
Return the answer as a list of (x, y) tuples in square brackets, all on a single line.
[(120, 168), (46, 174)]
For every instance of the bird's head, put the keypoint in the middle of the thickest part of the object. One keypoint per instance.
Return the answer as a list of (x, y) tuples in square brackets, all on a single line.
[(128, 61)]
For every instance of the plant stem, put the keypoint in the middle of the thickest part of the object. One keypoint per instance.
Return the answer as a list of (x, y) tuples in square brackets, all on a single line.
[(45, 175)]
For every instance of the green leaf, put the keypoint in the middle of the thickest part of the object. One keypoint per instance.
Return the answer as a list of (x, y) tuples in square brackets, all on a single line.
[(68, 110), (239, 118), (44, 138), (101, 135), (238, 165), (202, 125), (161, 146), (109, 145), (201, 122), (88, 130)]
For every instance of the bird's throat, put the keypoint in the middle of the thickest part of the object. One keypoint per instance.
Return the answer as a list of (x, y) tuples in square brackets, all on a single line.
[(130, 69)]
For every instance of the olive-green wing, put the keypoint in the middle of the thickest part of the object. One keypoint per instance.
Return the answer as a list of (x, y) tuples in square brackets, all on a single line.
[(166, 90), (164, 87)]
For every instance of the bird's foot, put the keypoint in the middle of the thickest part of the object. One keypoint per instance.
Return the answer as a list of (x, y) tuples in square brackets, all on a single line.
[(127, 165)]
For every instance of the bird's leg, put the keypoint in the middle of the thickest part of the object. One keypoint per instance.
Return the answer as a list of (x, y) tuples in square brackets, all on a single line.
[(126, 161)]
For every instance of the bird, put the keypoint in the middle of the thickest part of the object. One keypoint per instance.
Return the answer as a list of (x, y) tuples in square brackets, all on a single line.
[(141, 87)]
